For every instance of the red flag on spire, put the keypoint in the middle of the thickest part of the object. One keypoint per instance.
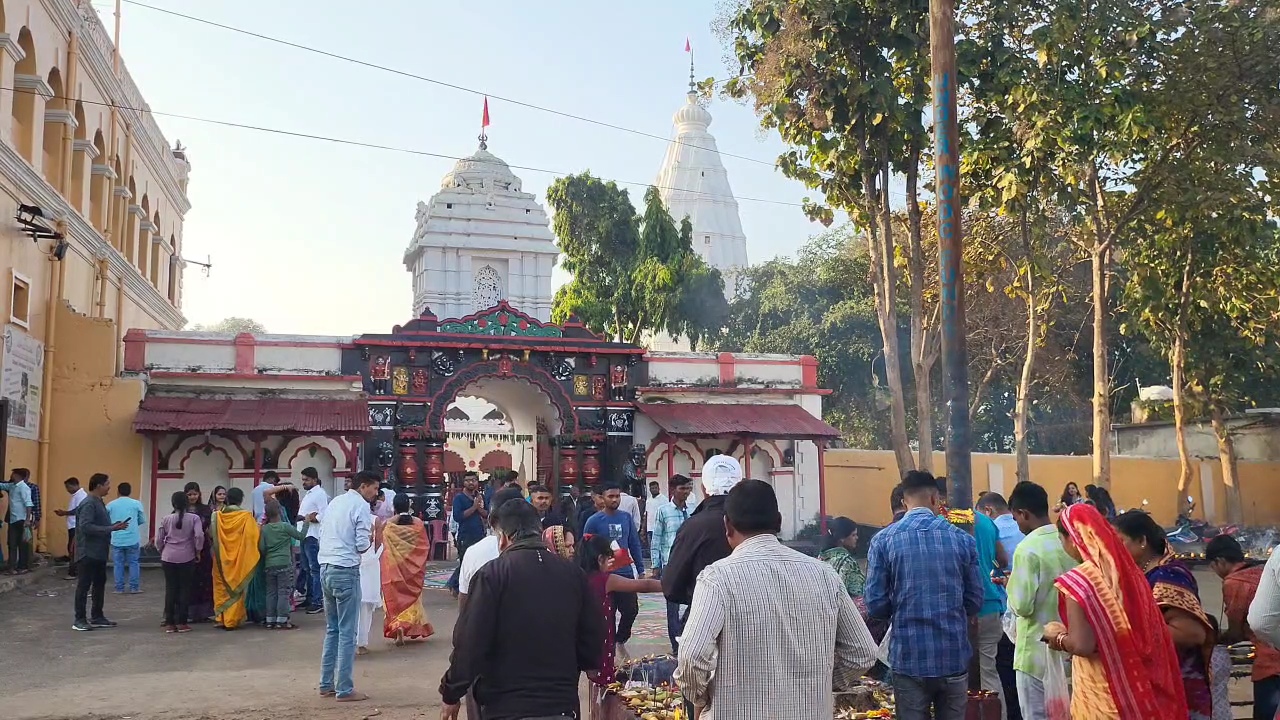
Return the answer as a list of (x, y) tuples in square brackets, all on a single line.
[(687, 46), (484, 122)]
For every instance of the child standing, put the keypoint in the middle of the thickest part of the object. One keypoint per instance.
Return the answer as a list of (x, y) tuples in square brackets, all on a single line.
[(276, 545)]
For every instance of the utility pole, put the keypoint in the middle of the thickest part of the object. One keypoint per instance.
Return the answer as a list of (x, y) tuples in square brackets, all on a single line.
[(946, 133)]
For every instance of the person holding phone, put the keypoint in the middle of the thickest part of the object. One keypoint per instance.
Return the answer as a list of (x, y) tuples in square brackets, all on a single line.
[(93, 545)]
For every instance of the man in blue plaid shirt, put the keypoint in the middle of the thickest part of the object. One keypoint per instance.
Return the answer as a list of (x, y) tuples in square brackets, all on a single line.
[(923, 578)]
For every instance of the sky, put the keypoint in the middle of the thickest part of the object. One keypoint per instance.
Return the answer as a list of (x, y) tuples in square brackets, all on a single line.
[(308, 236)]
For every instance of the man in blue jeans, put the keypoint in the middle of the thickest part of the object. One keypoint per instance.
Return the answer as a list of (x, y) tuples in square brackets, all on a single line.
[(311, 510), (346, 532), (126, 544)]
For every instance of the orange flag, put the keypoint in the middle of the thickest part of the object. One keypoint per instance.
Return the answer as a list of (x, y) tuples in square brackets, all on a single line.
[(484, 122)]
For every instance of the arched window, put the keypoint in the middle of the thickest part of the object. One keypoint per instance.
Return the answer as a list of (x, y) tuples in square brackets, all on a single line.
[(80, 163), (24, 103), (153, 249), (488, 288), (55, 115), (99, 189)]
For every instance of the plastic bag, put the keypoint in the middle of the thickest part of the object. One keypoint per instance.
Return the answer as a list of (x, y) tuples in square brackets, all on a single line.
[(1057, 694), (1009, 622)]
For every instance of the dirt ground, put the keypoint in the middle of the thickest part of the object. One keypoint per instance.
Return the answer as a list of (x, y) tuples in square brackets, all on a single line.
[(137, 672)]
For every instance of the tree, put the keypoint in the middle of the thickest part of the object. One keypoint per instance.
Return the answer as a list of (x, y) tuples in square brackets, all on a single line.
[(1204, 288), (842, 83), (1090, 99), (821, 304), (232, 325), (631, 275)]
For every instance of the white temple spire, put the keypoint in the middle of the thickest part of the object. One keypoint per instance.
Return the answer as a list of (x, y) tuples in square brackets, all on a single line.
[(694, 183)]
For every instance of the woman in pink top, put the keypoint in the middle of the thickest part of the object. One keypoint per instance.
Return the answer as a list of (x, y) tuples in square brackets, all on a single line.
[(180, 540)]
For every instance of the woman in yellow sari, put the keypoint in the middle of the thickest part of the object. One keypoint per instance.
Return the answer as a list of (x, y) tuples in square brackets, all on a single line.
[(404, 569), (235, 558)]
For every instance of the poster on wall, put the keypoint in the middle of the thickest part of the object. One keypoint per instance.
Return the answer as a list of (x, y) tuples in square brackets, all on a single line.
[(20, 381)]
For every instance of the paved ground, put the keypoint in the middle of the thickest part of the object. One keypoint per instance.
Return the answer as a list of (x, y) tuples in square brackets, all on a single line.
[(137, 672)]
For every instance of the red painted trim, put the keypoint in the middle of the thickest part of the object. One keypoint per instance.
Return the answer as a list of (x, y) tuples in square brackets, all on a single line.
[(328, 344), (431, 340), (809, 371), (257, 461), (169, 374), (728, 372), (183, 341), (746, 457), (135, 350), (764, 361), (671, 462), (665, 390), (318, 446), (245, 362), (295, 344), (822, 487), (595, 404), (155, 486), (706, 360)]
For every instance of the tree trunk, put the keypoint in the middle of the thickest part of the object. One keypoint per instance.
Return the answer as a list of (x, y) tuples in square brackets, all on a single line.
[(921, 359), (1230, 471), (617, 323), (1101, 261), (1022, 406), (880, 246), (1178, 363)]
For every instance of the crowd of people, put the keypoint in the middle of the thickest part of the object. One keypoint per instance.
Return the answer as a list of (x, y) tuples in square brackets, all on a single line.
[(1086, 615)]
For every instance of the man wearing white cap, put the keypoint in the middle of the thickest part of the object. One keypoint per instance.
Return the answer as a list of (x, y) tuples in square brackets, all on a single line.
[(701, 539)]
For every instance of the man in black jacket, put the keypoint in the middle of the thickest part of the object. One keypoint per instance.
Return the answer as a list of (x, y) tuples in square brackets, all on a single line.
[(543, 501), (529, 628), (701, 539)]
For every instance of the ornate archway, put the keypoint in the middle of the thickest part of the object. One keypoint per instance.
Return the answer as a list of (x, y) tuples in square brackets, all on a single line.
[(502, 368), (582, 386)]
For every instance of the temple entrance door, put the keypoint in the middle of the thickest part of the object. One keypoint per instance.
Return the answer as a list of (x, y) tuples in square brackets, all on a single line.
[(492, 424)]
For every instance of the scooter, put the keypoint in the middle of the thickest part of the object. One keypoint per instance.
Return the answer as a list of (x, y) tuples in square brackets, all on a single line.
[(1185, 531)]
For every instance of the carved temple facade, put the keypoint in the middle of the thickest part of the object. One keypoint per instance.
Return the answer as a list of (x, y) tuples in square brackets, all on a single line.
[(223, 409)]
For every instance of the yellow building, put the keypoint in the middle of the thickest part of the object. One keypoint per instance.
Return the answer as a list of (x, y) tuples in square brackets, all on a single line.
[(91, 243)]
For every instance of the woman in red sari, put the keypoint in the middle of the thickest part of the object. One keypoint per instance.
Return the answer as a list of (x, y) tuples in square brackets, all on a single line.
[(403, 568), (1123, 661)]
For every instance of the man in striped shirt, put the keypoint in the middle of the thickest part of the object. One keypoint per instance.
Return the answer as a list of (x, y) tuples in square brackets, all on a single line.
[(773, 627)]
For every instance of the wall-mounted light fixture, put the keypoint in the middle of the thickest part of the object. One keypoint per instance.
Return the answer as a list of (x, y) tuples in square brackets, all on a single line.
[(31, 218)]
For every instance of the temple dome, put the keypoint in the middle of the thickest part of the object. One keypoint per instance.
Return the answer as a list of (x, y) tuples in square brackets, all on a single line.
[(692, 113), (482, 170)]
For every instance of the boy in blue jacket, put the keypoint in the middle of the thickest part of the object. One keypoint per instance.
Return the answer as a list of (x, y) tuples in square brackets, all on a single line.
[(620, 527)]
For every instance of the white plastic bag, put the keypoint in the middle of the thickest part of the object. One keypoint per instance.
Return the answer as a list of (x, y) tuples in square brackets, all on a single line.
[(1057, 693)]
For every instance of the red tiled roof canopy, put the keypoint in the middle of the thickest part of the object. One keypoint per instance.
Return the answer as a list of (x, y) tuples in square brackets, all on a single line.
[(177, 414), (788, 422)]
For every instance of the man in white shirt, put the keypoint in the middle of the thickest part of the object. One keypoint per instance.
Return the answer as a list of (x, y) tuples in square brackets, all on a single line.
[(311, 510), (651, 506), (628, 504), (765, 589), (78, 494), (346, 531), (1264, 611)]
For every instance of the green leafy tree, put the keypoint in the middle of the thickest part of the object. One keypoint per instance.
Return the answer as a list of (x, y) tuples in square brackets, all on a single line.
[(1107, 104), (843, 83), (820, 304), (232, 325), (631, 275)]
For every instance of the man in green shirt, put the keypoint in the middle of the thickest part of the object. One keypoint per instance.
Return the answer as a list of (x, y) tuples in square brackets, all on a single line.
[(1038, 561)]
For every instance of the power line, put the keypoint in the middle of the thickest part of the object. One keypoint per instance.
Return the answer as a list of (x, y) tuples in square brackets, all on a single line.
[(376, 146), (441, 83)]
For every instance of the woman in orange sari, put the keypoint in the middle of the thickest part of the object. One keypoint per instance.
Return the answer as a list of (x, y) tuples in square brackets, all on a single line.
[(1123, 662), (235, 559), (404, 569)]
